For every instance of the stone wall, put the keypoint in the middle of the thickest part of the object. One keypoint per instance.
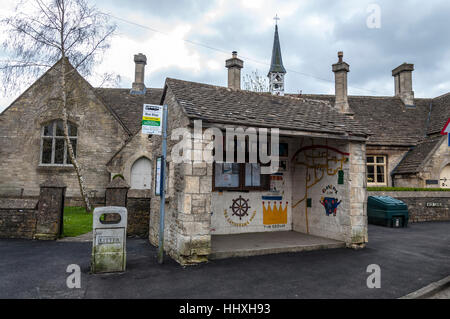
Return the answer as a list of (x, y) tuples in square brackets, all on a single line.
[(18, 218), (423, 206), (138, 207), (34, 218)]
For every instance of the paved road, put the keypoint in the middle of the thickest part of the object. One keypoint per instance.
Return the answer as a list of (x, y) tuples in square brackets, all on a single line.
[(410, 259)]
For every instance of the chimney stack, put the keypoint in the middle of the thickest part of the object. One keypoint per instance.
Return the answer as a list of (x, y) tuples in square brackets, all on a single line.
[(234, 66), (140, 61), (403, 83), (340, 70)]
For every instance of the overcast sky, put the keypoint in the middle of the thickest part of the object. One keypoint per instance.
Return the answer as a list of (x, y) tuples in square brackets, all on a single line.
[(311, 33)]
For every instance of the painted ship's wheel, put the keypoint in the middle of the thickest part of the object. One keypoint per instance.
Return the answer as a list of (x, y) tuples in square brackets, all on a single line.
[(240, 207)]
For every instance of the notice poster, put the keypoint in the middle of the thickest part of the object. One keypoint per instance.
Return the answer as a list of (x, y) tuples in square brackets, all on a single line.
[(158, 177), (152, 119)]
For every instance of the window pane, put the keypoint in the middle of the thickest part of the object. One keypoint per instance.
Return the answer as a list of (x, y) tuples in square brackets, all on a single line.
[(48, 130), (72, 130), (74, 146), (380, 174), (59, 151), (370, 159), (226, 175), (370, 174), (47, 151), (252, 175), (59, 128), (380, 159)]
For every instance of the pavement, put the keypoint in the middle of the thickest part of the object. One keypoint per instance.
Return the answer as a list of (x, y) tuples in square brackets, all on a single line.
[(254, 244), (443, 294), (410, 258), (79, 239)]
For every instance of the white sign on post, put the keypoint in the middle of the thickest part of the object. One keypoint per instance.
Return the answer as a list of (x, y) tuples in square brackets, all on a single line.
[(158, 177), (152, 119)]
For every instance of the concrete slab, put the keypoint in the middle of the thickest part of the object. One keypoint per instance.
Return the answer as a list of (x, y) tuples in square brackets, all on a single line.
[(254, 244), (436, 290), (88, 237)]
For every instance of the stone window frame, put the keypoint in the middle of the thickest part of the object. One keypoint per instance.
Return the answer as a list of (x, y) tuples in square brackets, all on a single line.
[(242, 187), (375, 165), (55, 137), (264, 183)]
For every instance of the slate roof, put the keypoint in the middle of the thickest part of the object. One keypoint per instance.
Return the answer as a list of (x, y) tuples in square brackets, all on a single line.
[(128, 107), (417, 156), (223, 105), (388, 120), (440, 113)]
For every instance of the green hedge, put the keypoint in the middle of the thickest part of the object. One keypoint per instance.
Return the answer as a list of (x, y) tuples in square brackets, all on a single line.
[(406, 189)]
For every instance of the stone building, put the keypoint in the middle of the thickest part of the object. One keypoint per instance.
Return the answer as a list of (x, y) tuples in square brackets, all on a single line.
[(405, 147), (104, 129), (331, 147)]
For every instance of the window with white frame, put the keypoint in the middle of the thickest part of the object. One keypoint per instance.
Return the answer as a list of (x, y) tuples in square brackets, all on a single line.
[(376, 170), (54, 149)]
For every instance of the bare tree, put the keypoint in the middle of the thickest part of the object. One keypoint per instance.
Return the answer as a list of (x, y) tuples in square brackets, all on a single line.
[(255, 82), (43, 32)]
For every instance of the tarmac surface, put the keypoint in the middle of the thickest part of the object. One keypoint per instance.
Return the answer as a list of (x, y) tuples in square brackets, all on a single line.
[(409, 258)]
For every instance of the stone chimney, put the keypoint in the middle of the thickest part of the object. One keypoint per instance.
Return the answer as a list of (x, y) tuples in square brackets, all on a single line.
[(140, 61), (340, 70), (234, 66), (403, 83)]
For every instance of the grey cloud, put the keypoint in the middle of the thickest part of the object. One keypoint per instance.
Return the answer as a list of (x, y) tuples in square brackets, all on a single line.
[(411, 31)]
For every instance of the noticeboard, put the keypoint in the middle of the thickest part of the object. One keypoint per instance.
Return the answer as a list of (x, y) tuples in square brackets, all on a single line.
[(152, 119)]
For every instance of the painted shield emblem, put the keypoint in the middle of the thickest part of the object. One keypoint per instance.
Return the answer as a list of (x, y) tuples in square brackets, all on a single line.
[(331, 205)]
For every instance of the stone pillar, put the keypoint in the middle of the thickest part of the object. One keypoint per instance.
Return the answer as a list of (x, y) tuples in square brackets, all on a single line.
[(140, 61), (193, 242), (234, 66), (403, 83), (138, 207), (340, 70), (358, 196), (49, 222), (116, 193)]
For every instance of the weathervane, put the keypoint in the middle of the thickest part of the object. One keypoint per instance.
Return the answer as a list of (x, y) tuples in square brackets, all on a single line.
[(276, 19)]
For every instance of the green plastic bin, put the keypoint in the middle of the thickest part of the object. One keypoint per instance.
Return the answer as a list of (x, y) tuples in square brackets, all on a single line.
[(387, 211)]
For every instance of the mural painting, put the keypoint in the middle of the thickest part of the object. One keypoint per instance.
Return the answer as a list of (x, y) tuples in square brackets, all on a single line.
[(240, 210), (274, 212), (319, 161), (277, 183), (330, 203)]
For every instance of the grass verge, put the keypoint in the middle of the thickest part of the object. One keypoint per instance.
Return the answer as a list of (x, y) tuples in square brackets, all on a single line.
[(76, 222)]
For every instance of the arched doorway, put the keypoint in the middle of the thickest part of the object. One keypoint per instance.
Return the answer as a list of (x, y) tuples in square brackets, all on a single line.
[(445, 177), (141, 173)]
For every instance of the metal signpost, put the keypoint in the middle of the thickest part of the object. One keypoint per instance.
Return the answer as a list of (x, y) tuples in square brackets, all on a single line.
[(153, 117)]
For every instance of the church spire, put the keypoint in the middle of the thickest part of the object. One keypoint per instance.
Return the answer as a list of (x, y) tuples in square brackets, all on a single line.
[(277, 70)]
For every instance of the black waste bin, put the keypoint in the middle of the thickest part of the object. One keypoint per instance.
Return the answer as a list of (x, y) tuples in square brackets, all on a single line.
[(387, 211)]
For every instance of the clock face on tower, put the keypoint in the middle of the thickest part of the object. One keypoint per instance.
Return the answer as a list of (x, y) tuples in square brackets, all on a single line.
[(277, 83)]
